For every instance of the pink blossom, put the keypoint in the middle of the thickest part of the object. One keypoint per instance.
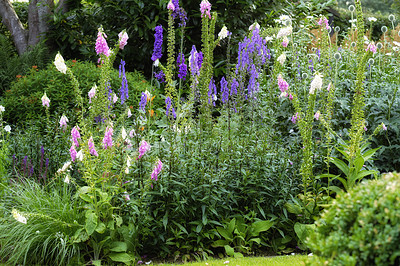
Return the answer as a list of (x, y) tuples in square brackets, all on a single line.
[(107, 140), (132, 133), (316, 115), (371, 47), (290, 97), (75, 135), (92, 93), (205, 8), (129, 113), (63, 122), (384, 127), (92, 149), (285, 42), (294, 118), (324, 20), (171, 6), (143, 148), (156, 171), (101, 43), (72, 152), (45, 100), (123, 39), (283, 85)]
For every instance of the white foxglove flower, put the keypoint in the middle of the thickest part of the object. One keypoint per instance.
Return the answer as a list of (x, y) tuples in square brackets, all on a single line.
[(45, 100), (156, 63), (66, 180), (79, 155), (128, 164), (254, 25), (282, 58), (316, 84), (7, 128), (123, 133), (65, 167), (268, 38), (2, 109), (92, 93), (284, 32), (60, 64), (115, 98), (223, 33), (19, 217)]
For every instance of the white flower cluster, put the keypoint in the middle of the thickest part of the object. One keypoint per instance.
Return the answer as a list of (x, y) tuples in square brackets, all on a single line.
[(19, 217), (316, 84)]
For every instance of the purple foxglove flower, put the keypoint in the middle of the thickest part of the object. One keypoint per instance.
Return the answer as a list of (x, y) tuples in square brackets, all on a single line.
[(143, 148), (101, 43), (283, 85), (294, 118), (72, 152), (123, 39), (75, 135), (107, 140), (92, 149), (205, 9), (157, 170)]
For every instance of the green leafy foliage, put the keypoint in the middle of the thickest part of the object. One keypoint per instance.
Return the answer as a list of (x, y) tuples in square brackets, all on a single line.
[(361, 226)]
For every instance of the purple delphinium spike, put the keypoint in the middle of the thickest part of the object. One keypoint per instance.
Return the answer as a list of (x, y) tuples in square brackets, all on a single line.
[(311, 65), (182, 66), (124, 92), (157, 54), (160, 76), (143, 102), (224, 90), (169, 107), (212, 92), (234, 87)]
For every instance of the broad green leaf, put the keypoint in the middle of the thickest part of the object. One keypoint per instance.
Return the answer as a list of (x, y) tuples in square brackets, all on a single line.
[(368, 154), (101, 228), (119, 246), (364, 173), (261, 226), (335, 189), (358, 164), (80, 236), (118, 220), (238, 255), (341, 165), (121, 257), (96, 262), (229, 251), (293, 208), (225, 234), (257, 240), (91, 222), (219, 243), (165, 220), (303, 230), (231, 226)]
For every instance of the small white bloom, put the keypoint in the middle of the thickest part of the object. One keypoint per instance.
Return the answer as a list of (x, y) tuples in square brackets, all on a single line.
[(268, 38), (156, 63), (396, 43), (255, 24), (66, 180), (283, 18), (223, 33), (282, 58), (283, 94), (60, 64), (65, 167), (283, 32), (123, 133), (316, 84), (215, 97), (372, 19), (7, 128), (129, 113), (92, 93), (2, 109), (17, 216), (128, 164), (162, 139), (115, 98), (79, 155), (148, 94), (310, 255)]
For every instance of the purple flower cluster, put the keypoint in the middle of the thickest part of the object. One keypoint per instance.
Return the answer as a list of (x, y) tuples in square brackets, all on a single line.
[(92, 149), (234, 87), (160, 76), (124, 92), (157, 170), (75, 135), (107, 140), (157, 53), (72, 152), (182, 66), (212, 92), (101, 44), (180, 13), (143, 101), (195, 61), (170, 108), (224, 90), (205, 9), (143, 148)]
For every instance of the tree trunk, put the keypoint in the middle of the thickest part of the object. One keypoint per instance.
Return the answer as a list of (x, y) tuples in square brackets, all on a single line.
[(14, 25)]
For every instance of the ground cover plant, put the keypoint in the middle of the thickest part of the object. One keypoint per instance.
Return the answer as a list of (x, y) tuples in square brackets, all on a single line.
[(192, 164)]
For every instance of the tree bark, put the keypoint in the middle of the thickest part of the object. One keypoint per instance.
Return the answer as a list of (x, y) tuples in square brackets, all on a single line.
[(14, 25)]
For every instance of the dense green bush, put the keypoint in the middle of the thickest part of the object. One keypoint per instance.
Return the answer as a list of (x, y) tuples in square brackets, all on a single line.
[(23, 100), (361, 227)]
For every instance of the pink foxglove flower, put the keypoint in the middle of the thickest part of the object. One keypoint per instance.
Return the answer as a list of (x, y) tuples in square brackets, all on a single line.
[(294, 118), (63, 122), (72, 152), (157, 170), (317, 114), (325, 21), (285, 42), (132, 133), (384, 127), (101, 43), (171, 6), (92, 93), (205, 8), (291, 97), (371, 47), (45, 100), (92, 149), (123, 39), (75, 135), (107, 140), (143, 148), (283, 85)]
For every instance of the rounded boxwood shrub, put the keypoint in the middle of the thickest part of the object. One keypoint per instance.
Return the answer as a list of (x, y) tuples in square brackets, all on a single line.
[(361, 227), (23, 100)]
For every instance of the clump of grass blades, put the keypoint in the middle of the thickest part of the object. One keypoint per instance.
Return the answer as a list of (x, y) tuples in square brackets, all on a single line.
[(52, 219)]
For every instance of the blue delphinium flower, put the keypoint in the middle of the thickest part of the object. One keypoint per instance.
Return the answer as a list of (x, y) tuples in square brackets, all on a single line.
[(182, 66), (124, 95), (160, 76), (212, 92), (170, 109), (224, 90), (143, 101), (157, 54)]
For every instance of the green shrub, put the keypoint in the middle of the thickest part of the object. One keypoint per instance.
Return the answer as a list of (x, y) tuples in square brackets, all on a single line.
[(23, 100), (361, 227)]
